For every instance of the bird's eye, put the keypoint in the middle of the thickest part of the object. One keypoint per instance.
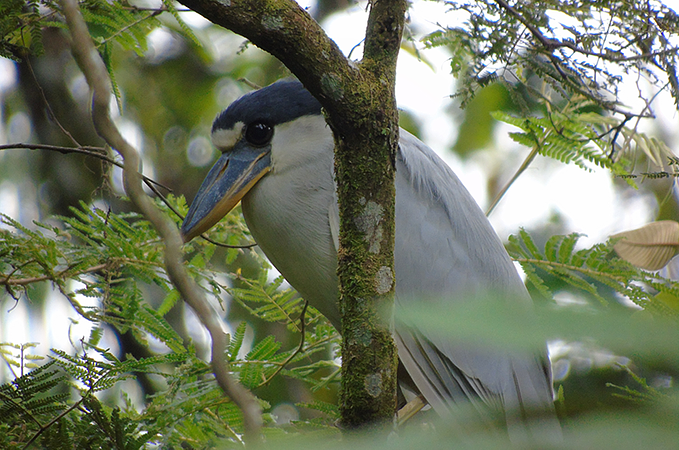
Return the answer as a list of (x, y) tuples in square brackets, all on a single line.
[(258, 133)]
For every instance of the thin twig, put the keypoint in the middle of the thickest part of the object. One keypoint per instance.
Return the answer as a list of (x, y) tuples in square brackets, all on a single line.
[(55, 420), (162, 9), (409, 410), (47, 104), (20, 406), (97, 152), (8, 281), (221, 244), (558, 265), (296, 352), (100, 152), (16, 269), (529, 159), (550, 44), (249, 83), (127, 27)]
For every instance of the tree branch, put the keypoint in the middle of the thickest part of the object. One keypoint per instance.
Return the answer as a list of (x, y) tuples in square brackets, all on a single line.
[(284, 29), (97, 78), (8, 281), (360, 107), (550, 44)]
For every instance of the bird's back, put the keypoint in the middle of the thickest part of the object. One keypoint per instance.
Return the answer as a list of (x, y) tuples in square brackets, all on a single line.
[(447, 251), (442, 235)]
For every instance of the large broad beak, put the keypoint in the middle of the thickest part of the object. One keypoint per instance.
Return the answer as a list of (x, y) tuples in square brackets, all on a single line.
[(232, 176)]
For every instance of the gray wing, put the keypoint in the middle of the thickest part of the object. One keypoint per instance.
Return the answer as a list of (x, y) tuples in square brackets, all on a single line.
[(445, 247)]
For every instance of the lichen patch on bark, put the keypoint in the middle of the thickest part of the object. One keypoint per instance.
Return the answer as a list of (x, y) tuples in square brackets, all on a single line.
[(369, 222), (373, 384), (384, 279)]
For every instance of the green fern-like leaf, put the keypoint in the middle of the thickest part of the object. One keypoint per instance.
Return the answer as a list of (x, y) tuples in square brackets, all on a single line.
[(277, 306), (587, 270), (236, 341), (31, 396), (568, 136), (326, 408), (258, 366), (186, 30)]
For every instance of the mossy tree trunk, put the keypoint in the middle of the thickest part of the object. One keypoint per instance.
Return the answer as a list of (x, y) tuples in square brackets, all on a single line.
[(365, 154), (361, 110)]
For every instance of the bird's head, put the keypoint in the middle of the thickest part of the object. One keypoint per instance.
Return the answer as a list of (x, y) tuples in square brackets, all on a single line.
[(245, 133)]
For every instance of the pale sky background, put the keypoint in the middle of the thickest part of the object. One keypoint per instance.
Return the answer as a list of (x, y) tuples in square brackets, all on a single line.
[(587, 201)]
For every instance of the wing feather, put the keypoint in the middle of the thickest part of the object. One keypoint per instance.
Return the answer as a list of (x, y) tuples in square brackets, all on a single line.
[(446, 248)]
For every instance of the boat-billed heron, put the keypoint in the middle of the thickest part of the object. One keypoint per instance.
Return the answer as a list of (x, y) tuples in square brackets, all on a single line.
[(277, 159)]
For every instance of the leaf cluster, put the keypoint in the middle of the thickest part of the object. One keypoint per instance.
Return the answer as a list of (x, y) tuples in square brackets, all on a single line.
[(17, 357), (20, 28), (109, 23), (595, 272), (567, 136), (111, 259), (563, 65), (29, 401), (576, 47)]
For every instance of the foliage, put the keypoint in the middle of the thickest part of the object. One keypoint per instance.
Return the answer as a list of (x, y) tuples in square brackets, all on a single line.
[(109, 21), (565, 75), (113, 254), (559, 89), (562, 44), (111, 257), (20, 33), (591, 269)]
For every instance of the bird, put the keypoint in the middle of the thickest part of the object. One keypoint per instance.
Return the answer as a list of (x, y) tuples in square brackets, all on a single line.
[(277, 160)]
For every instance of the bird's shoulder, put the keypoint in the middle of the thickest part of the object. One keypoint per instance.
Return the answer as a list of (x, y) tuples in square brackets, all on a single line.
[(441, 229)]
